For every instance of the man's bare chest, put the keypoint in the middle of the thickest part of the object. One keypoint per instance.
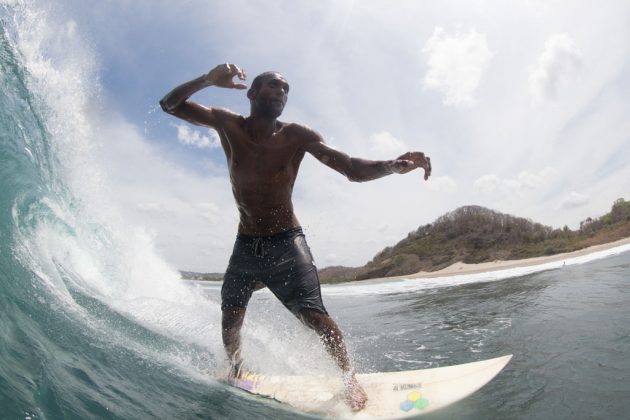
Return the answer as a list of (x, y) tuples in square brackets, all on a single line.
[(266, 158)]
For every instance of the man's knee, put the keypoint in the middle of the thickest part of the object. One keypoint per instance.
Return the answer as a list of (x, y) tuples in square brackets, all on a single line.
[(316, 320)]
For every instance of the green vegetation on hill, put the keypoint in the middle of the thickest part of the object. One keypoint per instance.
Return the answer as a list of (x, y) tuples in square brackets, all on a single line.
[(474, 234)]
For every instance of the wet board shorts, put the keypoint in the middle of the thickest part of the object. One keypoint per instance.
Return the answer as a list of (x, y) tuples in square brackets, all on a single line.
[(282, 262)]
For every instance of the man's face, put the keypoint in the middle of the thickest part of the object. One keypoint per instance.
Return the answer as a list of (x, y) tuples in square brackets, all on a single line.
[(272, 95)]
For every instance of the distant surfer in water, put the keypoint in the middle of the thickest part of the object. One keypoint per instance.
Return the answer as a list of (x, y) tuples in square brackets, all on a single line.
[(263, 156)]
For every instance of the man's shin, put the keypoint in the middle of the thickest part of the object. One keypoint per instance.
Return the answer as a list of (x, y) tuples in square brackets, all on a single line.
[(231, 333)]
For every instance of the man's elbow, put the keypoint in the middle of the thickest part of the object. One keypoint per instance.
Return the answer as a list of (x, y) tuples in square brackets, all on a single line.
[(353, 173), (166, 107), (354, 178)]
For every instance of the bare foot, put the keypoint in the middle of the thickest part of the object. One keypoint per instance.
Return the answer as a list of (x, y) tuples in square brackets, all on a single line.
[(356, 397), (236, 372)]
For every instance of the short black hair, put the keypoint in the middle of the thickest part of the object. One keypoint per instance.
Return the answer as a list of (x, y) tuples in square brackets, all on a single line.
[(258, 80)]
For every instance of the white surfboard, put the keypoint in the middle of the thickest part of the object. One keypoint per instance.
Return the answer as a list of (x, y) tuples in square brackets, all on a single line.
[(390, 394)]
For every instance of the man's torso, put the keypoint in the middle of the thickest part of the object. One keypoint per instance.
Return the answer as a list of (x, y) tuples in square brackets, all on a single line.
[(262, 173)]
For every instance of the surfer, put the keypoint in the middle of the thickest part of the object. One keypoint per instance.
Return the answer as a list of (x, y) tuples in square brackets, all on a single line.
[(263, 157)]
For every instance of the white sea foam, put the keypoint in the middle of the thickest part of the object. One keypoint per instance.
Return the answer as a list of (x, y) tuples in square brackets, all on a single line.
[(78, 242), (407, 285), (75, 239)]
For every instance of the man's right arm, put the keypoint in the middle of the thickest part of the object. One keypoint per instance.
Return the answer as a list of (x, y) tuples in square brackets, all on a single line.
[(360, 170), (176, 101)]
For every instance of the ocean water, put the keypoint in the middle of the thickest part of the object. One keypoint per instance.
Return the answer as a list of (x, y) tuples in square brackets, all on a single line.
[(96, 325)]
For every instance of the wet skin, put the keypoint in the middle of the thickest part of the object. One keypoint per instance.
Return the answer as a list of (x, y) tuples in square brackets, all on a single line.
[(264, 156)]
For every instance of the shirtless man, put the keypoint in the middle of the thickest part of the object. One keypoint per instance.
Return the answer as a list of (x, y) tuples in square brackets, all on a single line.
[(263, 156)]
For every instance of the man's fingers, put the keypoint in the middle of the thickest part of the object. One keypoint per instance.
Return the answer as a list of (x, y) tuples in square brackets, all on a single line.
[(427, 169), (235, 70), (238, 71), (413, 160)]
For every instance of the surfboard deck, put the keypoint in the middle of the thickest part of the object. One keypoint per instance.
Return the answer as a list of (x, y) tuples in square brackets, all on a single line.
[(390, 394)]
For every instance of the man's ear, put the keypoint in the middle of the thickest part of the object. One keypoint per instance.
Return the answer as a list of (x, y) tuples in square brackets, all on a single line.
[(251, 94)]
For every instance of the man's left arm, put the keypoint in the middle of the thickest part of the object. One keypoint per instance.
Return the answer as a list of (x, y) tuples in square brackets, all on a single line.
[(361, 170)]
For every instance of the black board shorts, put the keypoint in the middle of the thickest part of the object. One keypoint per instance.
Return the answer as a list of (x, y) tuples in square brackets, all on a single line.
[(282, 262)]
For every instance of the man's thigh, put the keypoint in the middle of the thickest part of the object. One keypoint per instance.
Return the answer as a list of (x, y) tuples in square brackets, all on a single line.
[(295, 281)]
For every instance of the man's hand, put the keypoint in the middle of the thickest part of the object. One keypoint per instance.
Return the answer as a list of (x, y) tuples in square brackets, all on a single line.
[(222, 75), (410, 161)]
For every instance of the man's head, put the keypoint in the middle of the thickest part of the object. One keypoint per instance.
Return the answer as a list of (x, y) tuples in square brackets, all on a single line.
[(268, 94)]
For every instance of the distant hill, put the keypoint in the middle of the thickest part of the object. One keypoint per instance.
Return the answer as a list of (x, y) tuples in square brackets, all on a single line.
[(191, 275), (474, 234)]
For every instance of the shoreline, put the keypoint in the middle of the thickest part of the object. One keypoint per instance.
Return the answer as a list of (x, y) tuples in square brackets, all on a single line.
[(460, 268)]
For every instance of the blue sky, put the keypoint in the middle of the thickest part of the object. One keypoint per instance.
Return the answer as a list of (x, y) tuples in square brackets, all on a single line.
[(522, 106)]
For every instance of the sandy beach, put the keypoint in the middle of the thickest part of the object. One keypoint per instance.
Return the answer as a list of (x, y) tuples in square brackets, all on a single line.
[(461, 268)]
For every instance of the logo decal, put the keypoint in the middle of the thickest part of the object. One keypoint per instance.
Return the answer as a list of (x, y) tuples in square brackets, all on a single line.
[(414, 400), (406, 387)]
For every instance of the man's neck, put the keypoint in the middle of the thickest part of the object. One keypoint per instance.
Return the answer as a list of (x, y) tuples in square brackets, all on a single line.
[(261, 127)]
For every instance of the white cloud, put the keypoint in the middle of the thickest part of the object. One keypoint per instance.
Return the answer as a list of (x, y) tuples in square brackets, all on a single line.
[(456, 64), (191, 216), (209, 211), (190, 137), (153, 209), (487, 183), (384, 145), (351, 82), (574, 200), (557, 65), (524, 182), (442, 184)]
